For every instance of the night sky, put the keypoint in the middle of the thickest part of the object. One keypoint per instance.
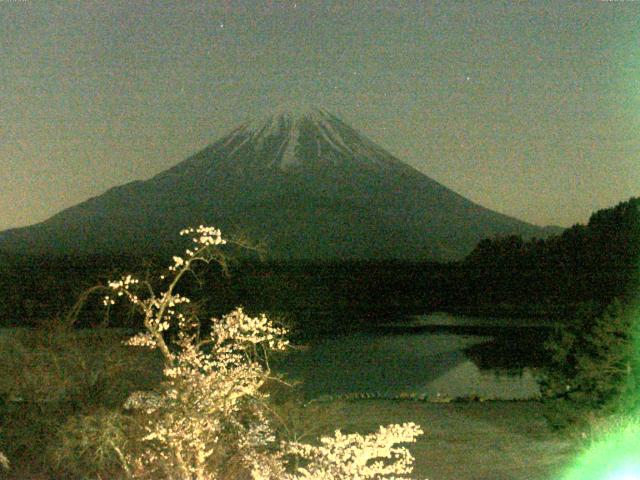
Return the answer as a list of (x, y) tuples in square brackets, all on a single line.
[(529, 108)]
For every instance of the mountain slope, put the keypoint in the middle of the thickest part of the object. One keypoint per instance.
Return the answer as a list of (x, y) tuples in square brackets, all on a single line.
[(305, 183)]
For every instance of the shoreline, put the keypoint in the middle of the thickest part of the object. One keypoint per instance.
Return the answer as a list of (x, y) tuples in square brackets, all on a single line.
[(492, 440)]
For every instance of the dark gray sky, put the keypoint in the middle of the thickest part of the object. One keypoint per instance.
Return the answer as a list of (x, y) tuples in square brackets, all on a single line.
[(529, 108)]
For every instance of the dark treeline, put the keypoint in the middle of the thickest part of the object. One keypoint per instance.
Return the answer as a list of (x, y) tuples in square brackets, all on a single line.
[(586, 263), (37, 289), (502, 276)]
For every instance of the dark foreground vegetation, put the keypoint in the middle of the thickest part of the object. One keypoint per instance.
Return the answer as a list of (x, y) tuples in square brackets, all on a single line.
[(60, 391), (57, 388), (76, 405), (59, 423)]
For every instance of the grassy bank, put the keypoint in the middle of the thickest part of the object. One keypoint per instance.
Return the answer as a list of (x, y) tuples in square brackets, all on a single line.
[(465, 440)]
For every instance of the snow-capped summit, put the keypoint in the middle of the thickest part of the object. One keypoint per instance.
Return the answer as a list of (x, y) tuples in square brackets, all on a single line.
[(300, 180), (294, 134)]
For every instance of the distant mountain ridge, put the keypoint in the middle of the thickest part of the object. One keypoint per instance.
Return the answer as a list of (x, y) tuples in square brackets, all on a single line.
[(304, 182)]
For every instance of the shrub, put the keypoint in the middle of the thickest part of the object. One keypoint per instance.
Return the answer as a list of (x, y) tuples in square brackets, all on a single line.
[(4, 461), (84, 367), (88, 445), (593, 360), (51, 377), (210, 418)]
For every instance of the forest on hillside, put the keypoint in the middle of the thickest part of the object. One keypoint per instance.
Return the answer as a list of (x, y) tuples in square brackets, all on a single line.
[(509, 276), (593, 262)]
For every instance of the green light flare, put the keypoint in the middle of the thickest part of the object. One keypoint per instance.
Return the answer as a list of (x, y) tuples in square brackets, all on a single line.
[(614, 457)]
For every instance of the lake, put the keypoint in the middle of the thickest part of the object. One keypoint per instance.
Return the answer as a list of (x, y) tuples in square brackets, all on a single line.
[(436, 356)]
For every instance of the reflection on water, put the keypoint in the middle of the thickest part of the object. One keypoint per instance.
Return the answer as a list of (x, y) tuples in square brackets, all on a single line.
[(422, 364), (510, 351)]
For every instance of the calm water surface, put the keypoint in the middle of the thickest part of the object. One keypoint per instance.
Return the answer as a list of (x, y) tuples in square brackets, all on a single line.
[(433, 355), (424, 357)]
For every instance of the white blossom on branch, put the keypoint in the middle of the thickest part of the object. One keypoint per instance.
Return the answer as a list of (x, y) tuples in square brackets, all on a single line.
[(212, 407)]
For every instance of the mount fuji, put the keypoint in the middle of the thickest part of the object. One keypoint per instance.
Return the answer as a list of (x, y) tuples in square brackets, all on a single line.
[(303, 182)]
